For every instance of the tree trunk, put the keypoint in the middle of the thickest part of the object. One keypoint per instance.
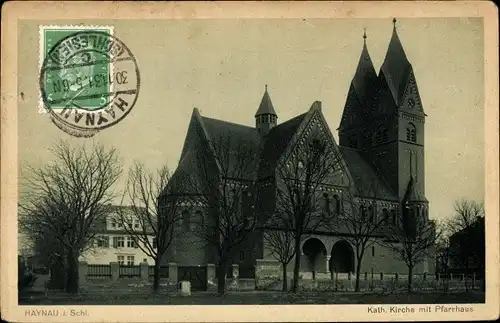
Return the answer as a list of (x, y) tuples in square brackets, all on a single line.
[(156, 277), (466, 272), (221, 276), (72, 274), (358, 274), (285, 283), (410, 278), (296, 265), (57, 277)]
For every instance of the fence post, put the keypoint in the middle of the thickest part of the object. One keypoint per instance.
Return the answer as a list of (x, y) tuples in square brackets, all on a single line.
[(366, 275), (236, 275), (82, 273), (144, 271), (115, 271), (172, 273)]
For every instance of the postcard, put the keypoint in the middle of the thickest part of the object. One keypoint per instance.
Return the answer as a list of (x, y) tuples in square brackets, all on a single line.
[(249, 161)]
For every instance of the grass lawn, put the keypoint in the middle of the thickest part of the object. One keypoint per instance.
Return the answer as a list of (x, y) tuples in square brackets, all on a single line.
[(254, 297)]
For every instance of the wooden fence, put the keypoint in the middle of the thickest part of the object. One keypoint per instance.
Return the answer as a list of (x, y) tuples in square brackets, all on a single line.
[(129, 271), (99, 271)]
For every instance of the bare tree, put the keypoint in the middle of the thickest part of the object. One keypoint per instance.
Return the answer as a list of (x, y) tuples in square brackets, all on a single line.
[(280, 242), (146, 217), (357, 217), (299, 178), (412, 239), (468, 236), (223, 186), (67, 198)]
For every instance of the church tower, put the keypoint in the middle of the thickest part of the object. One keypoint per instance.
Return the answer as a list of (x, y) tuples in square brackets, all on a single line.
[(397, 149), (265, 117), (357, 109)]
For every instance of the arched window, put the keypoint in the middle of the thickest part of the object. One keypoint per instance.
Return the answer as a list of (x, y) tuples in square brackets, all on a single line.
[(385, 215), (185, 220), (411, 133), (337, 203)]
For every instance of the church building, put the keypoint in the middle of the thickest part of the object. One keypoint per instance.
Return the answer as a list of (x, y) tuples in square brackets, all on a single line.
[(381, 142)]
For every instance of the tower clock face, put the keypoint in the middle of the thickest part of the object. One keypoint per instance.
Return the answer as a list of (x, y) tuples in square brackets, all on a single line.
[(411, 103)]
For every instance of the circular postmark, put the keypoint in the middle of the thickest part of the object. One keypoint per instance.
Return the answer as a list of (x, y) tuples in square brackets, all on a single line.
[(89, 81)]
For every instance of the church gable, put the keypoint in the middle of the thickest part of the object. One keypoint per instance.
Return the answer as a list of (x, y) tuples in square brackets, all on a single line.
[(314, 124), (411, 101)]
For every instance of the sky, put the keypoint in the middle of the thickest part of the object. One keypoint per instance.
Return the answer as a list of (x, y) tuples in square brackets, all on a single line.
[(222, 66)]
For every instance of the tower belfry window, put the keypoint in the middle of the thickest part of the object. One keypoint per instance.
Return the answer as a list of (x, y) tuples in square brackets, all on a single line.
[(411, 133)]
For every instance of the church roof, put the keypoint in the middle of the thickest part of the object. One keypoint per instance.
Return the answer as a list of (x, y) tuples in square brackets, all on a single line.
[(365, 77), (412, 193), (363, 84), (275, 143), (396, 68), (366, 179), (266, 106)]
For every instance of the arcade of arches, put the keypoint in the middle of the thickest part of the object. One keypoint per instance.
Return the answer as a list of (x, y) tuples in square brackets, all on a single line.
[(316, 258)]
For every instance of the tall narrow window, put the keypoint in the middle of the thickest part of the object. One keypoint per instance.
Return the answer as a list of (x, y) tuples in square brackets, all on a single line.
[(373, 251), (326, 200), (185, 220), (394, 216), (385, 215), (199, 219), (362, 209), (371, 213), (336, 200)]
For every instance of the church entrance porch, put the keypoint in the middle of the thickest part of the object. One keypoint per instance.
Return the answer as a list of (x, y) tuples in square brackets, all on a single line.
[(313, 257), (342, 257)]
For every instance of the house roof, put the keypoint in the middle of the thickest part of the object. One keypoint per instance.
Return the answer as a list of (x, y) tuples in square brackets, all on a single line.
[(367, 181)]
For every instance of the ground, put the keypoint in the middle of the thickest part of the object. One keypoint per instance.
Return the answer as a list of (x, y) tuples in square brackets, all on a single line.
[(254, 297)]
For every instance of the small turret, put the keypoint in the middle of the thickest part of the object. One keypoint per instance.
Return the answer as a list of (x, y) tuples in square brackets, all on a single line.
[(266, 117)]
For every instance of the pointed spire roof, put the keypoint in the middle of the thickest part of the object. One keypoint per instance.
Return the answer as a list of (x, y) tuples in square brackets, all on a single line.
[(266, 106), (412, 193), (396, 66), (365, 76)]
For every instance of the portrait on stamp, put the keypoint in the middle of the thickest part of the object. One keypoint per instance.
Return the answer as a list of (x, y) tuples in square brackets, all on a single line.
[(277, 161)]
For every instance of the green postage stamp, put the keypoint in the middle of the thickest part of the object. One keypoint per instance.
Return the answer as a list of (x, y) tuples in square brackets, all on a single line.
[(89, 79), (59, 85)]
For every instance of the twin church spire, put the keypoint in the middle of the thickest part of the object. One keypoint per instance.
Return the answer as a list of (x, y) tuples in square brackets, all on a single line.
[(362, 95)]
